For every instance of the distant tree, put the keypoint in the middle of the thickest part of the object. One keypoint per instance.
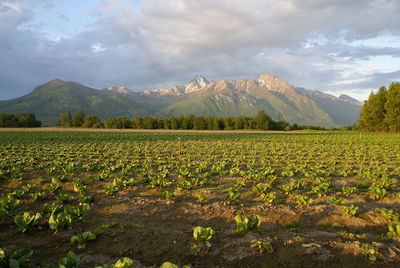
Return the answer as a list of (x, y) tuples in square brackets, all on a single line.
[(240, 122), (92, 121), (78, 119), (150, 122), (167, 123), (199, 123), (137, 123), (175, 123), (111, 122), (123, 122), (373, 113), (18, 120), (228, 123), (392, 107), (263, 121), (65, 119)]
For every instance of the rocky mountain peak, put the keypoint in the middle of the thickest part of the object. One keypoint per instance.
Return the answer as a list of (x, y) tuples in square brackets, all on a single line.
[(274, 83), (196, 83)]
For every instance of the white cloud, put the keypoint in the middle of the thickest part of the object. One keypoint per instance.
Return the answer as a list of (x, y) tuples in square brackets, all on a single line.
[(97, 47), (325, 45)]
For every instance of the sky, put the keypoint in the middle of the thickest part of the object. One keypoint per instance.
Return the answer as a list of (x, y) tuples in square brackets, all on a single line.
[(335, 46)]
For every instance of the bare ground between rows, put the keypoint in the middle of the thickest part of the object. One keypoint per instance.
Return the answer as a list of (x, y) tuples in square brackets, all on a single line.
[(151, 230)]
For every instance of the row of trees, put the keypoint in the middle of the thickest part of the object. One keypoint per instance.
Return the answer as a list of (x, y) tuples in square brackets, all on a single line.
[(18, 120), (381, 112), (261, 121)]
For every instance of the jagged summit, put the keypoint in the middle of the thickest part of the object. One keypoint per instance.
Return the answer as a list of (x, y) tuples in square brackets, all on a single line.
[(200, 80), (274, 83), (195, 84)]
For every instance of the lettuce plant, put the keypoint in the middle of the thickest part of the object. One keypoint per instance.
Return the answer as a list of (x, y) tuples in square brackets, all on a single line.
[(244, 225), (70, 261), (14, 258), (83, 238), (350, 210), (59, 221), (26, 220), (202, 236), (394, 231)]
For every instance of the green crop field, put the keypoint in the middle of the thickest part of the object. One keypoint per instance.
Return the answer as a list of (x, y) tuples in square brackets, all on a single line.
[(72, 199)]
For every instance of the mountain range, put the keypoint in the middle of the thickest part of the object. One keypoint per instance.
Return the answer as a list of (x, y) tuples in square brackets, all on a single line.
[(199, 97)]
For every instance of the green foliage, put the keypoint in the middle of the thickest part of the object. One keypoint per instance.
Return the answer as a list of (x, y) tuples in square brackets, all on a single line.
[(15, 258), (26, 220), (350, 210), (232, 195), (70, 261), (83, 238), (388, 214), (202, 236), (372, 252), (263, 246), (377, 191), (171, 265), (338, 201), (168, 195), (321, 188), (394, 231), (123, 263), (244, 225), (8, 205), (268, 198), (381, 112), (19, 120), (59, 221), (348, 191), (303, 200)]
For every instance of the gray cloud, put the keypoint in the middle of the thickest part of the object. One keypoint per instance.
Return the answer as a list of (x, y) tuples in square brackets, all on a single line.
[(307, 42)]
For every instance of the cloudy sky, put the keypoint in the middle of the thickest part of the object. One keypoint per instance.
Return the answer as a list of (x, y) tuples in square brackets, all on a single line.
[(336, 46)]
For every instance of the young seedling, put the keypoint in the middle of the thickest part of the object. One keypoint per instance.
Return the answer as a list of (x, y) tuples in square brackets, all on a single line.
[(59, 221), (14, 258), (263, 246), (83, 238), (350, 210), (26, 220), (348, 191), (388, 214), (268, 198), (394, 231), (303, 200), (202, 237), (168, 195), (202, 198), (338, 201), (377, 191), (70, 261), (372, 252), (247, 224)]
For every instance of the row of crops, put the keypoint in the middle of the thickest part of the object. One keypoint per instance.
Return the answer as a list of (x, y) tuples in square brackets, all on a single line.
[(72, 199)]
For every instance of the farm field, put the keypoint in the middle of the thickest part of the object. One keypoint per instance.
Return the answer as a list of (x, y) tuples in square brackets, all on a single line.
[(201, 199)]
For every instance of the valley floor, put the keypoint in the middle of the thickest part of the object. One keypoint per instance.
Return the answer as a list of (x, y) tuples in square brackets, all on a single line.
[(324, 200)]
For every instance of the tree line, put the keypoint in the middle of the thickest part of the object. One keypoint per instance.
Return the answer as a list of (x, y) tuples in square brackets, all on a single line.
[(261, 122), (19, 120), (381, 112)]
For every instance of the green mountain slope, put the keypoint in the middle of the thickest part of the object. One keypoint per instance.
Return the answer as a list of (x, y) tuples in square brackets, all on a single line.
[(275, 96), (49, 100)]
